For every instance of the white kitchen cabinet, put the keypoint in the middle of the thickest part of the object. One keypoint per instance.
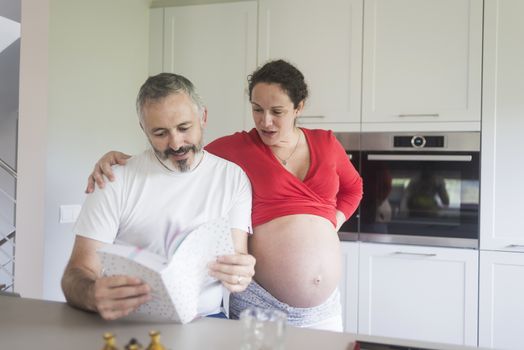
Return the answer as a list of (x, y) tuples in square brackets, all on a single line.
[(215, 47), (349, 286), (501, 310), (421, 293), (502, 192), (422, 65), (501, 307), (156, 40), (324, 40)]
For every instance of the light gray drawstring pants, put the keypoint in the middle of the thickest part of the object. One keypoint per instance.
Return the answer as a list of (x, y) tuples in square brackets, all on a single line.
[(327, 316)]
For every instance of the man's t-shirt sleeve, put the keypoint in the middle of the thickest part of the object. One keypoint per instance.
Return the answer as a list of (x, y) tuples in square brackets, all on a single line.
[(100, 214), (240, 213)]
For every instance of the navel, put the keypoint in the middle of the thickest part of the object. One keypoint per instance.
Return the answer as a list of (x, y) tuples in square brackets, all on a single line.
[(317, 280)]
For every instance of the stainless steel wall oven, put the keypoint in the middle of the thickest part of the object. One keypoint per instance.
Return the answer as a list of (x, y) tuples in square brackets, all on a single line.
[(419, 188)]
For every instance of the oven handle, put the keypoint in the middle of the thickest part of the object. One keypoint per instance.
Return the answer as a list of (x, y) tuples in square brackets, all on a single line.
[(423, 157)]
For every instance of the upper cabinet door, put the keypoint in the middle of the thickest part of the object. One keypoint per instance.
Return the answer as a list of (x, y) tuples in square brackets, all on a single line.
[(215, 47), (502, 124), (422, 64), (324, 40)]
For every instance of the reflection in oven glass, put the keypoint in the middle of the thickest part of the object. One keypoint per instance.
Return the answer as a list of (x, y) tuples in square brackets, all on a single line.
[(379, 209), (409, 201)]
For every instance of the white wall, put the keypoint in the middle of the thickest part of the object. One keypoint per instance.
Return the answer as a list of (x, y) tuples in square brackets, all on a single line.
[(98, 58)]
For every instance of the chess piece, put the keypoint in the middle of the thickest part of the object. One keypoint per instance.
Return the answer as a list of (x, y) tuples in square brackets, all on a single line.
[(155, 341), (109, 342), (133, 345)]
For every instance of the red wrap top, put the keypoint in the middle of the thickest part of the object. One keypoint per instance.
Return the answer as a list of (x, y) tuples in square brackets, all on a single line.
[(331, 183)]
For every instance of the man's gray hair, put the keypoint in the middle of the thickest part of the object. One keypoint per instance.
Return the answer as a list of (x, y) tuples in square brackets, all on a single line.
[(162, 85)]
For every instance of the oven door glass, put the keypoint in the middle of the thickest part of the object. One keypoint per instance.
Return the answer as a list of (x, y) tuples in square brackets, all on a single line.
[(420, 193)]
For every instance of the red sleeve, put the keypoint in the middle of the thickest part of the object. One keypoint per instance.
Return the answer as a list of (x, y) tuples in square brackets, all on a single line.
[(216, 147), (350, 187), (224, 147)]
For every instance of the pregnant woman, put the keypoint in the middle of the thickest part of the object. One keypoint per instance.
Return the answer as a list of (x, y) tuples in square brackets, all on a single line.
[(304, 188)]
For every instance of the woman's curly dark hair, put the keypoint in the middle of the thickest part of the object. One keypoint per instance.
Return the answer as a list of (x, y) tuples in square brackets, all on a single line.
[(283, 73)]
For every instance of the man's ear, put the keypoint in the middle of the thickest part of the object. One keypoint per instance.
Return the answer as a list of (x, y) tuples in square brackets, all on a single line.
[(203, 120), (141, 126)]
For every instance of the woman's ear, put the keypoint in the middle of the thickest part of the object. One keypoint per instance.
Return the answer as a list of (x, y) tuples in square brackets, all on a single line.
[(300, 108)]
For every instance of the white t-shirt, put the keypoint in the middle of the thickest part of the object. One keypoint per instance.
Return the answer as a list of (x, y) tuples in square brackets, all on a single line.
[(152, 208)]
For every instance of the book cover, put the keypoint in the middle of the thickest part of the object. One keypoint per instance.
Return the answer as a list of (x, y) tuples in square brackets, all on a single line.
[(175, 283)]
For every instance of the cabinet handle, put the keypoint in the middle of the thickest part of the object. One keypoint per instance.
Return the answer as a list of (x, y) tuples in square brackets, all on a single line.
[(311, 117), (432, 115), (415, 254), (515, 246)]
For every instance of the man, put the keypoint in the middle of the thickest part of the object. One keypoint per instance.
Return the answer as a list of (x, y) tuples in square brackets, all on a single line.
[(162, 195)]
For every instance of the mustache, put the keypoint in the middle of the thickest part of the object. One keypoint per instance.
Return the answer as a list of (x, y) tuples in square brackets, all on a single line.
[(181, 150)]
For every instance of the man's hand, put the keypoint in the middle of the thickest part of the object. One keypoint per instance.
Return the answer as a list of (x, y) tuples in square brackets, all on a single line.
[(85, 287), (118, 296), (103, 168), (234, 271)]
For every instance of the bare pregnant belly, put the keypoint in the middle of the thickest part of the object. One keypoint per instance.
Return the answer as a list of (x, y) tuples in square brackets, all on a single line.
[(298, 259)]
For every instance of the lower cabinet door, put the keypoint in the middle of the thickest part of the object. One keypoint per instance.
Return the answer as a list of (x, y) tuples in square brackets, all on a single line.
[(349, 286), (420, 293), (501, 306)]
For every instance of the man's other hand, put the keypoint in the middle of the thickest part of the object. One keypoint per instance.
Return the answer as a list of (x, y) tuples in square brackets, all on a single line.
[(234, 271)]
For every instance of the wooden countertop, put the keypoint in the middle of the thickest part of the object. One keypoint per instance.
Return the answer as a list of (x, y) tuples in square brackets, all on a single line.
[(39, 324)]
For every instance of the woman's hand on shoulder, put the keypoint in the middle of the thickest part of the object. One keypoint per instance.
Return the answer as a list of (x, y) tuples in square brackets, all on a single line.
[(103, 169)]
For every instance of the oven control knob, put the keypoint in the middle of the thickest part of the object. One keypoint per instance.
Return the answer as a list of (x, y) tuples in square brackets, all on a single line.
[(418, 141)]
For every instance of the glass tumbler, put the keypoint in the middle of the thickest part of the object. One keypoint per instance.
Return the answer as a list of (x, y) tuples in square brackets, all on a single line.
[(263, 329)]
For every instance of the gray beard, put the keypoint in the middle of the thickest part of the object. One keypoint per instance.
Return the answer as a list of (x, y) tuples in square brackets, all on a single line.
[(179, 165)]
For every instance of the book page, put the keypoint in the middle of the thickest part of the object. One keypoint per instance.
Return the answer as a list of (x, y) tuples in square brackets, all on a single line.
[(177, 284), (189, 265), (132, 261)]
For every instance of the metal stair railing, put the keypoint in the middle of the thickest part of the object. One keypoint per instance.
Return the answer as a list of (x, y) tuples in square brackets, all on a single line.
[(7, 238), (8, 168), (6, 265)]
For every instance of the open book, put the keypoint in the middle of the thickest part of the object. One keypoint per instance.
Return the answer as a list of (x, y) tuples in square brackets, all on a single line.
[(176, 283)]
